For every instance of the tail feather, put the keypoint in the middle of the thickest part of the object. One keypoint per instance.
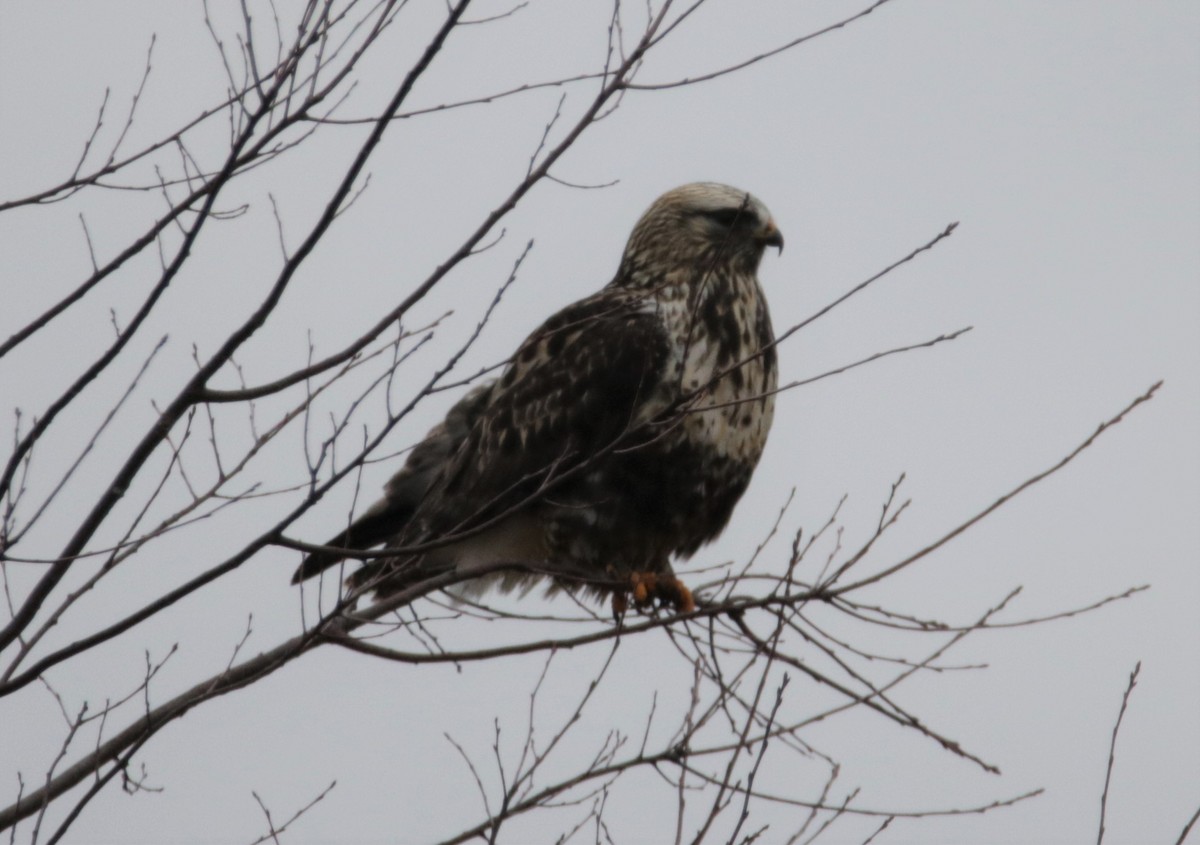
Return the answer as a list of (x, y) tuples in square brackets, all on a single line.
[(374, 527), (388, 517)]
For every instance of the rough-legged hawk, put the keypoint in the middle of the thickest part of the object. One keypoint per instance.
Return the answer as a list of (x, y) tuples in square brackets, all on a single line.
[(622, 432)]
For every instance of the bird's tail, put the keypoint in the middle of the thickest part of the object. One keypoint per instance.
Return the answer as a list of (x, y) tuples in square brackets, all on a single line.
[(369, 530)]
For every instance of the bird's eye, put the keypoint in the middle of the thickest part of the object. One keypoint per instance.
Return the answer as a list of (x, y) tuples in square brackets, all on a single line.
[(728, 217)]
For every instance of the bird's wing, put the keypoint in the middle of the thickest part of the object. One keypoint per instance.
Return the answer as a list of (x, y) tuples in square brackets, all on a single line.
[(407, 488), (577, 384)]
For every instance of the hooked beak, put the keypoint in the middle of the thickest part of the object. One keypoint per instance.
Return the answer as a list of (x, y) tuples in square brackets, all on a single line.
[(771, 236)]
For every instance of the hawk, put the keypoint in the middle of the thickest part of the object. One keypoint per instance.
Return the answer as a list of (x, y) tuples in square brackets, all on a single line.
[(621, 433)]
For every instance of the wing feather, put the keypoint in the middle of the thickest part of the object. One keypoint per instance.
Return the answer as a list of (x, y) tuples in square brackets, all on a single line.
[(406, 489), (574, 387)]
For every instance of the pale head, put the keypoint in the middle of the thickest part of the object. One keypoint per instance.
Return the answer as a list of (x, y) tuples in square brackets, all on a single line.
[(701, 221)]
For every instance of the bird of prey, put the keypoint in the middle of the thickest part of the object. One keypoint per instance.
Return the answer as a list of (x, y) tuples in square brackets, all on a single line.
[(621, 433)]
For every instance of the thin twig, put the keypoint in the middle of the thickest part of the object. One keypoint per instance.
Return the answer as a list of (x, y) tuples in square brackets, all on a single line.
[(1112, 748)]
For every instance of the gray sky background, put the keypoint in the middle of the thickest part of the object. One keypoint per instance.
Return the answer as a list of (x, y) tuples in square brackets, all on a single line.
[(1065, 138)]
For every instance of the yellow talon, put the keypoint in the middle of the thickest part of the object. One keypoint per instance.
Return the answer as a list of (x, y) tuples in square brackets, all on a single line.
[(648, 586), (642, 585)]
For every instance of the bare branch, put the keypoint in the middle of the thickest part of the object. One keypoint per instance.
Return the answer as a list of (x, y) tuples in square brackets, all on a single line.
[(1112, 748)]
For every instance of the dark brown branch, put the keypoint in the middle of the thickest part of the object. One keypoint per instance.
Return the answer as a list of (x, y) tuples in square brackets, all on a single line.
[(753, 60), (1112, 748), (192, 392), (1187, 828), (1016, 491)]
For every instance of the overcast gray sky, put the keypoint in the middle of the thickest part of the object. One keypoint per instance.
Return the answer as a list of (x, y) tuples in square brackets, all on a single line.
[(1063, 136)]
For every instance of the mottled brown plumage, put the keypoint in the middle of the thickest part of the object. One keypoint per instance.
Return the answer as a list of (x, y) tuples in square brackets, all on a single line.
[(621, 434)]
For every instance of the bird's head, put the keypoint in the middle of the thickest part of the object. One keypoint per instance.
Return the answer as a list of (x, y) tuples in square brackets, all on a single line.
[(702, 222)]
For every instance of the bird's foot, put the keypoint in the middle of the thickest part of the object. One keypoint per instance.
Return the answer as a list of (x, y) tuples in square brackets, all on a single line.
[(648, 586)]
